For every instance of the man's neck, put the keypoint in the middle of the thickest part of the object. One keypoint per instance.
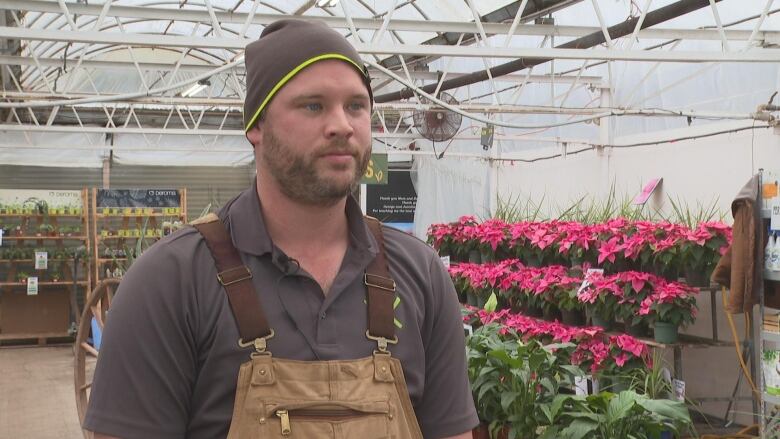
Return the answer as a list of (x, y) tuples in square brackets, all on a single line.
[(298, 228)]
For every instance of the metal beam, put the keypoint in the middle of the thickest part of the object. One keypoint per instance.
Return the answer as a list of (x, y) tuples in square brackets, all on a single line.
[(429, 76), (652, 18), (202, 16), (545, 54)]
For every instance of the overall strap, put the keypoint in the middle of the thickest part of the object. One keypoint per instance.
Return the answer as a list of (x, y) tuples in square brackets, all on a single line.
[(380, 292), (236, 278)]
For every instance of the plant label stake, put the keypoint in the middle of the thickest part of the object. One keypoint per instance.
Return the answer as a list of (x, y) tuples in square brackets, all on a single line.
[(32, 286), (586, 280), (679, 389), (444, 259), (41, 260), (583, 385)]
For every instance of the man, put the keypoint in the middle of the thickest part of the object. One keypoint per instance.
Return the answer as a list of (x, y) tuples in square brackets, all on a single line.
[(176, 360)]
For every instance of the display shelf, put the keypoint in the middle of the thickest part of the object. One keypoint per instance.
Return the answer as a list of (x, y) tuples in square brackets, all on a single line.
[(33, 336), (104, 238), (59, 225), (139, 215), (772, 275), (45, 238), (111, 209), (45, 284), (40, 215)]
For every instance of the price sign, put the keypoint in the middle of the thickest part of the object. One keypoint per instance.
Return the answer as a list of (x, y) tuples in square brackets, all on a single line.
[(774, 223), (1, 237), (376, 173), (446, 261), (41, 260), (32, 286)]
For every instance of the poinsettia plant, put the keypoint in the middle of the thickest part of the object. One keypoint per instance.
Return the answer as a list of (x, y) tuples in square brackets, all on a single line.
[(671, 302), (591, 348), (665, 248)]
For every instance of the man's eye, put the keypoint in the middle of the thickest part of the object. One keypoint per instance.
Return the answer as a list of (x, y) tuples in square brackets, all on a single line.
[(313, 107), (357, 106)]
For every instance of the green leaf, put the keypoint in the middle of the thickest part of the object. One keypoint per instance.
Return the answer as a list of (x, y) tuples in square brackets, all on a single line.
[(547, 413), (620, 406), (578, 429), (666, 408), (491, 303), (507, 399), (548, 384)]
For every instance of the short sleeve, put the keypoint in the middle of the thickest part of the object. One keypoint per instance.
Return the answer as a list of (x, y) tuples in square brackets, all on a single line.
[(147, 363), (447, 407)]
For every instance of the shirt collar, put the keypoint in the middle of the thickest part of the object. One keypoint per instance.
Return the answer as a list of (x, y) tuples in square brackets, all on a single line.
[(244, 218)]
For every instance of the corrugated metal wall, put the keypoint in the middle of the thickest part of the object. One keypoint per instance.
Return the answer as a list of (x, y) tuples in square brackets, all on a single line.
[(204, 185)]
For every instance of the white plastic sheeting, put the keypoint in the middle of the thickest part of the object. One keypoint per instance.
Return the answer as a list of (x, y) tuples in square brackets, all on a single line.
[(177, 150), (449, 188), (70, 150)]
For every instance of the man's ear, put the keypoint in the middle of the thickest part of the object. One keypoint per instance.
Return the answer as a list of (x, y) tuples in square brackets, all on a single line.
[(255, 135)]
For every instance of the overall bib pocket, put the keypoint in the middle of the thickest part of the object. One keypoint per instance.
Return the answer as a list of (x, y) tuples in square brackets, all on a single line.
[(336, 419)]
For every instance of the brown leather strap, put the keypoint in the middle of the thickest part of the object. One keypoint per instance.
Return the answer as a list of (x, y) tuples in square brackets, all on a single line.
[(380, 289), (237, 280)]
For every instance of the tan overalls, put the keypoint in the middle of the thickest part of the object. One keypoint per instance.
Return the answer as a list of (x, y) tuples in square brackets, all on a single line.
[(277, 398)]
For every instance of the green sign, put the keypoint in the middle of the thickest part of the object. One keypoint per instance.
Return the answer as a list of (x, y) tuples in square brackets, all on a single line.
[(376, 173)]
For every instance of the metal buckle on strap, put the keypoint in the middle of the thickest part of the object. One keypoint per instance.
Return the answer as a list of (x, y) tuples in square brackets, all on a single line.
[(260, 344), (382, 342), (247, 275), (376, 281)]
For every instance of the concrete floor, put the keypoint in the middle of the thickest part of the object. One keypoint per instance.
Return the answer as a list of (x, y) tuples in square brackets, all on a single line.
[(37, 398)]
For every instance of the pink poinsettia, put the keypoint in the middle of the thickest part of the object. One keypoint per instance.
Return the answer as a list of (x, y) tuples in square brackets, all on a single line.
[(609, 249)]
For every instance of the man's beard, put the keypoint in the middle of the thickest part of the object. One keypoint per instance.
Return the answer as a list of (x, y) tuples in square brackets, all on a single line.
[(298, 177)]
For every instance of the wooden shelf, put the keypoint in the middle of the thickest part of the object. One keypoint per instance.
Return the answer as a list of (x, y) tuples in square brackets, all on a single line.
[(38, 215), (111, 259), (103, 238), (44, 284), (45, 238), (140, 215), (34, 336)]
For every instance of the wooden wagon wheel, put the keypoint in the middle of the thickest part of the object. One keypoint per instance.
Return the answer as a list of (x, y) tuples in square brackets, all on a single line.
[(99, 302)]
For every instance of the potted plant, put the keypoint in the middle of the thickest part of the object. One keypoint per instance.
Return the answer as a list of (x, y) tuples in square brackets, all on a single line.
[(513, 381), (671, 306), (608, 415), (601, 298), (22, 277)]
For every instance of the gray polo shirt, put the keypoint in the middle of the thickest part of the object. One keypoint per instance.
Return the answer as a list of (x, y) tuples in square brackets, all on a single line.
[(169, 358)]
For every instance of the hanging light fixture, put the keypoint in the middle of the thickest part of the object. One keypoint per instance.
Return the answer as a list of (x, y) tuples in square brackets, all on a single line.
[(196, 88)]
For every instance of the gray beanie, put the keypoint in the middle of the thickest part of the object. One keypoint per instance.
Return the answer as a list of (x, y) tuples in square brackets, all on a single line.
[(285, 48)]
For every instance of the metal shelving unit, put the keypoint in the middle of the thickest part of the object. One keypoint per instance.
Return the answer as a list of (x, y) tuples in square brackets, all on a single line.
[(768, 401)]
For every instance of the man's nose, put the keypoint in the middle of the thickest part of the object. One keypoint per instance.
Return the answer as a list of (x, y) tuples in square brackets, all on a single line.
[(339, 124)]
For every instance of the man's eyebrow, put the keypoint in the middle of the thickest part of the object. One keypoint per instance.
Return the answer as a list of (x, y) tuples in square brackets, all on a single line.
[(307, 97), (314, 96)]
